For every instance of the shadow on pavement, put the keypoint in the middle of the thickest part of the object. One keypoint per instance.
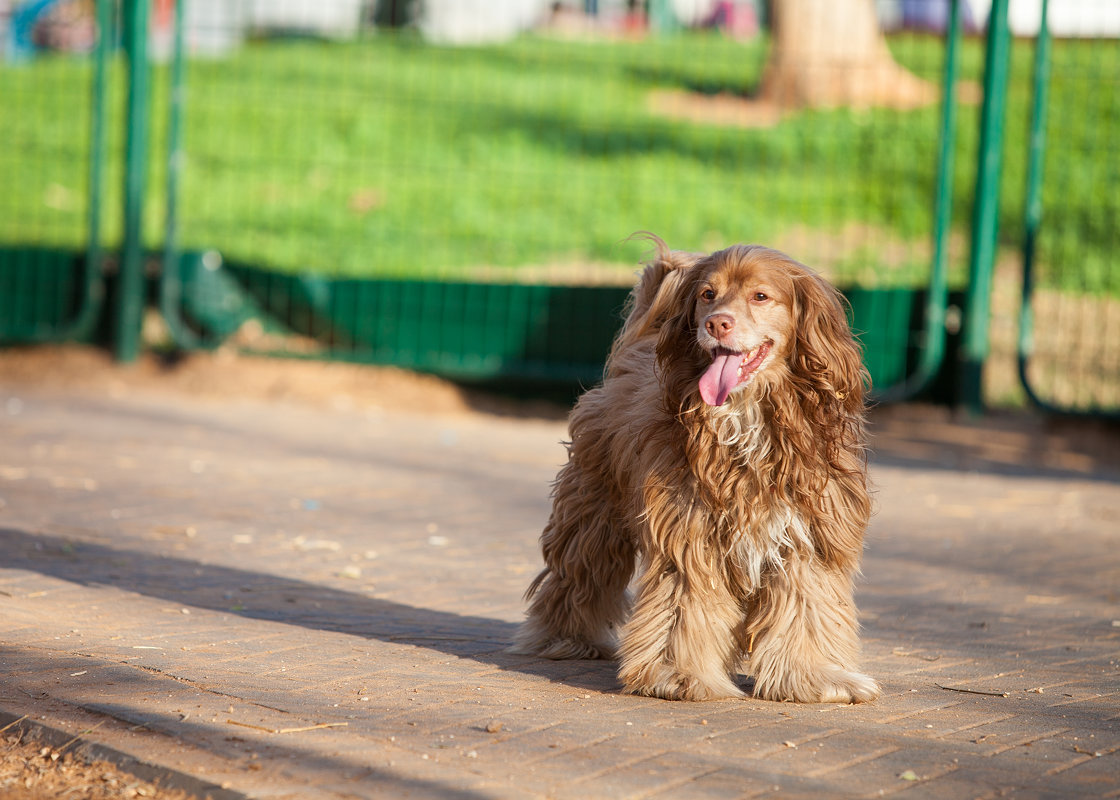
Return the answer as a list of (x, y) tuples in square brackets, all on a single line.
[(338, 770), (275, 598), (1014, 444)]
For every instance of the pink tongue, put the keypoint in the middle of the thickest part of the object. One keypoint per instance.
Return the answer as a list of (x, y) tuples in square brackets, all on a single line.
[(720, 378)]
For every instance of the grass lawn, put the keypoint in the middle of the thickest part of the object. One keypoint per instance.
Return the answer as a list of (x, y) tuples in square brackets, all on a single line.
[(390, 157)]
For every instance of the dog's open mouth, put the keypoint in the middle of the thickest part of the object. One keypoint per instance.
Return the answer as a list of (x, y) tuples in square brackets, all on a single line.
[(729, 369)]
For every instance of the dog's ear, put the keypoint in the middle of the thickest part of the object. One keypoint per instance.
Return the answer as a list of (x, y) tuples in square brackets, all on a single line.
[(828, 380), (826, 361), (654, 299)]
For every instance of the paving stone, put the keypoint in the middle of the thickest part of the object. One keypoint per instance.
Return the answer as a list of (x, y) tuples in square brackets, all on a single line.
[(303, 603)]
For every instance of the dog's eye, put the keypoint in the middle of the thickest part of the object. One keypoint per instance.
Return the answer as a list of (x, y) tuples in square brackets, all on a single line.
[(761, 297), (707, 295)]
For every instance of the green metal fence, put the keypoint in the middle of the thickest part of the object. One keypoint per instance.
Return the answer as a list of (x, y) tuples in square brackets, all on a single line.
[(52, 168), (331, 188), (1069, 335)]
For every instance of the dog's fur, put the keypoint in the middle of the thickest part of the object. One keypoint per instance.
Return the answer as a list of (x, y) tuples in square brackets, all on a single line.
[(745, 519)]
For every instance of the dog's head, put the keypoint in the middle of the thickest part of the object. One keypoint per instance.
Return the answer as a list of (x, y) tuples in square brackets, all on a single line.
[(751, 316)]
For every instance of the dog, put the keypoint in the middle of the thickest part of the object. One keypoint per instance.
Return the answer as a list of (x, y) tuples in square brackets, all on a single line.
[(715, 498)]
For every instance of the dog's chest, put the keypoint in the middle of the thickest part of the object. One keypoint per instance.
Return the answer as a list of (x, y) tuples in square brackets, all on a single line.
[(762, 527), (766, 540)]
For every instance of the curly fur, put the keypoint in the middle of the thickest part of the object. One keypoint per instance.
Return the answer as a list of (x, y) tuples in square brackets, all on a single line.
[(686, 536)]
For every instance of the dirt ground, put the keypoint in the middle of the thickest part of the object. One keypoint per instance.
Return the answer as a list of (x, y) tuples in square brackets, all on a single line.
[(227, 374), (32, 770)]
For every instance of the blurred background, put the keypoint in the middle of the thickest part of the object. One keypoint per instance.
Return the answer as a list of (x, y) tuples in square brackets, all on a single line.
[(450, 186)]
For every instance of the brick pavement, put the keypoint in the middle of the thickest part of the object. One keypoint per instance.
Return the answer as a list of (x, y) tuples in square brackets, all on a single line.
[(292, 602)]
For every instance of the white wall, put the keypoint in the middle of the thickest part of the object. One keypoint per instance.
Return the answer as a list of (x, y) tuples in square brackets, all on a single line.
[(478, 21), (1089, 18)]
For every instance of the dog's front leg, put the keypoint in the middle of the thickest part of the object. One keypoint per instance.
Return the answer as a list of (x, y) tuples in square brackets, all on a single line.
[(806, 636), (680, 642)]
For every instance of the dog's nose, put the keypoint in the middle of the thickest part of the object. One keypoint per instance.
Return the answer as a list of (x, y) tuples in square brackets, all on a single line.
[(719, 325)]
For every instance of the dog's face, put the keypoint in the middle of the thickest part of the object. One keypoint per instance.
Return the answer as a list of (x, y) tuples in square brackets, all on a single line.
[(752, 316), (743, 313)]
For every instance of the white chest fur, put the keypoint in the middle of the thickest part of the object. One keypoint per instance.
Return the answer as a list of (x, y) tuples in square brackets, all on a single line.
[(773, 528)]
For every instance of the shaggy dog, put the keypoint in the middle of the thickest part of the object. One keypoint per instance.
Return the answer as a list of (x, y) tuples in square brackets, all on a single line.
[(723, 457)]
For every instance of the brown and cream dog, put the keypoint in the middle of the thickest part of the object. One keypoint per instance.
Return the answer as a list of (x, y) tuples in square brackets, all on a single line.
[(723, 458)]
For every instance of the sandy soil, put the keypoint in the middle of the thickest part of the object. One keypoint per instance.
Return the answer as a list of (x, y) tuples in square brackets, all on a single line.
[(226, 374), (30, 770)]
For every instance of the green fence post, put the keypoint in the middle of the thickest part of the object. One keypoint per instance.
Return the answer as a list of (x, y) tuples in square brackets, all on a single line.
[(937, 298), (170, 282), (1032, 215), (130, 283), (985, 213), (93, 287)]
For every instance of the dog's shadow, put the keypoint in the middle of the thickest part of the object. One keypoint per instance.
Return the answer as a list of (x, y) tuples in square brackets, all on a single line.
[(276, 598)]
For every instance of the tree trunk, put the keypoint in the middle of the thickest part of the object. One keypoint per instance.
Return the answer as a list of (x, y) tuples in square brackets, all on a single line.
[(830, 53)]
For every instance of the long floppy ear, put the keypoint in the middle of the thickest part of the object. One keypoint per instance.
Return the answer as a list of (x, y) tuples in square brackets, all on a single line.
[(829, 381), (653, 299), (826, 361)]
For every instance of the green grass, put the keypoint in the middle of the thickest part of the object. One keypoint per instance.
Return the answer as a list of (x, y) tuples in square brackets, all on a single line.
[(390, 157)]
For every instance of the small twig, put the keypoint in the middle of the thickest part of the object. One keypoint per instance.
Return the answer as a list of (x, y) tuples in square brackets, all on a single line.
[(972, 691), (80, 735), (247, 725), (898, 652), (13, 722), (313, 727), (288, 730)]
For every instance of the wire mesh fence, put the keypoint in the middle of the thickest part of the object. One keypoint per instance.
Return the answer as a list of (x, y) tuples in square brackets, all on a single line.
[(1070, 317), (534, 159), (531, 160), (338, 185), (53, 135)]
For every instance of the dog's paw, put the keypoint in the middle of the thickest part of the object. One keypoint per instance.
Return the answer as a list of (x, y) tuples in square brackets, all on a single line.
[(834, 685), (675, 686), (844, 686)]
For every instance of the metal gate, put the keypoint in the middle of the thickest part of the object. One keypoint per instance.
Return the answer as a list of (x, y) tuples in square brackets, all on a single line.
[(1069, 340)]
